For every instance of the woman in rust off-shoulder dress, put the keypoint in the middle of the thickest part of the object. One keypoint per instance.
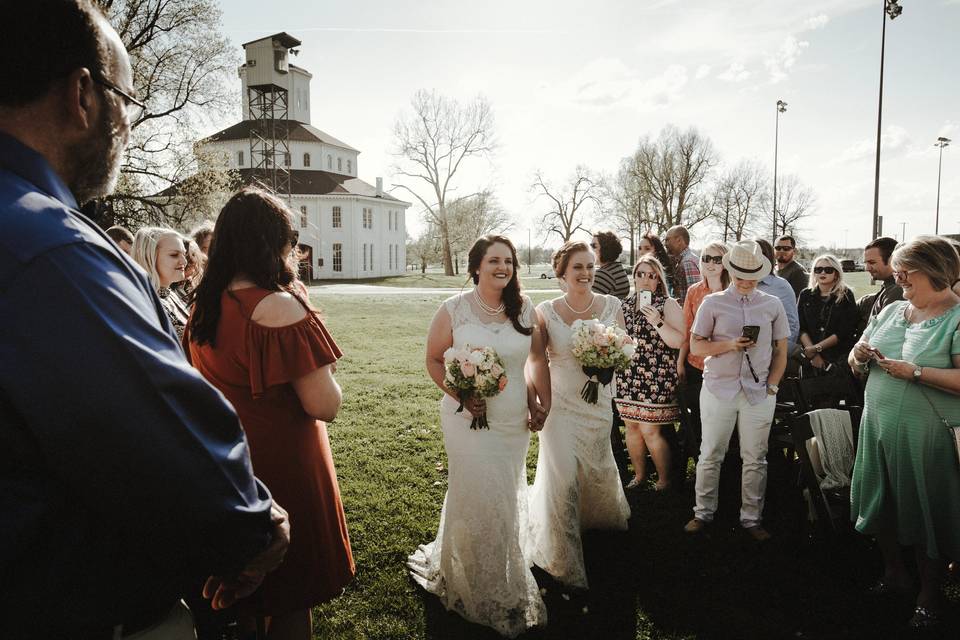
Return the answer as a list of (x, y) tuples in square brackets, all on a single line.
[(255, 337)]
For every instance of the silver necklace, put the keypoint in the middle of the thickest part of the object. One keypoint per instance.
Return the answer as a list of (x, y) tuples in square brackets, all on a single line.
[(580, 313), (492, 311)]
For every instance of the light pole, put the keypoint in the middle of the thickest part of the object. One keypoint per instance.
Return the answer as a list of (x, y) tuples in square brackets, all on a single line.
[(529, 251), (781, 107), (893, 9), (903, 232), (941, 142)]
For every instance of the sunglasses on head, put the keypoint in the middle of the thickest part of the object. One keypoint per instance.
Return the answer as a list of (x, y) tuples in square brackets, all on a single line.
[(713, 259), (785, 247), (827, 270)]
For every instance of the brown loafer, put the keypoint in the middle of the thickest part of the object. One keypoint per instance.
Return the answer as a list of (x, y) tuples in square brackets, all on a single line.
[(695, 526), (758, 533)]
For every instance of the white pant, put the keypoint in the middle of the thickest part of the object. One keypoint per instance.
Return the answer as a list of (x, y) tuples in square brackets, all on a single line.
[(753, 425)]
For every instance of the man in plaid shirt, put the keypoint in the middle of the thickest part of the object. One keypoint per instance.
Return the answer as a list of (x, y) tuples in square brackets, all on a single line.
[(686, 264)]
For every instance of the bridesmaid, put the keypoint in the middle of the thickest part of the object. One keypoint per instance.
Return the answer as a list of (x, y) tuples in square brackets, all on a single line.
[(257, 339)]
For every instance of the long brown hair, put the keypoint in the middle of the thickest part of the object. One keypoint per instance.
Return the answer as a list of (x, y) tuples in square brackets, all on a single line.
[(512, 298), (252, 232)]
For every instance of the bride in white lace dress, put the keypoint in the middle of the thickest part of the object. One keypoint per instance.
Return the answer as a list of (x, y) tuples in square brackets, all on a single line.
[(476, 565), (577, 486)]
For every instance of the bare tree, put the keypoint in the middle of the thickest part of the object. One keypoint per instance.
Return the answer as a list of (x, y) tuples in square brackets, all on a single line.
[(569, 203), (182, 67), (740, 197), (795, 201), (425, 249), (627, 204), (431, 144), (673, 170), (473, 216)]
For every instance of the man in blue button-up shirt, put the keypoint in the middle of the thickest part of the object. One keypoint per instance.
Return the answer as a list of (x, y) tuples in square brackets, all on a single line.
[(124, 477)]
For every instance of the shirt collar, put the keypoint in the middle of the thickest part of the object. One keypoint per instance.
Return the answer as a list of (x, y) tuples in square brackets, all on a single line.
[(751, 297), (20, 159)]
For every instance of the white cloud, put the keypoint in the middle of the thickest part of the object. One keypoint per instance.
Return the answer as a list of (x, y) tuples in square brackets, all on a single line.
[(608, 83), (816, 22), (949, 129), (895, 140), (736, 72), (786, 56), (702, 72)]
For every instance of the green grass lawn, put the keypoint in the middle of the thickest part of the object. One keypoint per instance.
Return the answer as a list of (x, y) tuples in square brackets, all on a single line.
[(652, 582), (434, 280)]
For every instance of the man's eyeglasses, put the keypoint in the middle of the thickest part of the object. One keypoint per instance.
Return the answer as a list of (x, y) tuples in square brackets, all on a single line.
[(827, 270), (133, 108), (903, 275), (645, 275), (713, 259), (783, 248)]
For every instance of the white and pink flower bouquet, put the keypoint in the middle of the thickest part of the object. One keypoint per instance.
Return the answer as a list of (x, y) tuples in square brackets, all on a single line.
[(600, 350), (474, 372)]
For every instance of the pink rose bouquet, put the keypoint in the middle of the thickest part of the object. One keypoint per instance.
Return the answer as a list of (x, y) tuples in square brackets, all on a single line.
[(474, 372), (600, 350)]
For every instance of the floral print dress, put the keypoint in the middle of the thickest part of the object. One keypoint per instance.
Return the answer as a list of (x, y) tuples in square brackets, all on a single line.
[(647, 390)]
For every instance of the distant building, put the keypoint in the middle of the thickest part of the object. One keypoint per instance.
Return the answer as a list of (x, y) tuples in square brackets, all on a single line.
[(349, 229)]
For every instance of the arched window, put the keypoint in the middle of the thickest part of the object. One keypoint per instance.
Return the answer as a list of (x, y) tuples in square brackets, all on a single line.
[(239, 158), (329, 162), (349, 166), (340, 164), (306, 159), (303, 217)]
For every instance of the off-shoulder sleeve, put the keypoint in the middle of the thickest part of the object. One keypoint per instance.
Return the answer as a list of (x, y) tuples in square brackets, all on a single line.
[(279, 355)]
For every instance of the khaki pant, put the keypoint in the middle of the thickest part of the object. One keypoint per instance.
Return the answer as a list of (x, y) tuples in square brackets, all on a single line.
[(178, 625)]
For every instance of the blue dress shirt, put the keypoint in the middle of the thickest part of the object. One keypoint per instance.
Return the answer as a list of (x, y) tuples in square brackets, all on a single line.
[(124, 476), (777, 286)]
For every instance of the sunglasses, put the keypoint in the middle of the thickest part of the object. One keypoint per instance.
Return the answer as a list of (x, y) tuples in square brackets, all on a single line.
[(644, 275), (713, 259), (827, 270), (783, 248)]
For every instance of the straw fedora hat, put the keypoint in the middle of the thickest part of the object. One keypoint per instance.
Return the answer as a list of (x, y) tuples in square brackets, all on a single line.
[(746, 261)]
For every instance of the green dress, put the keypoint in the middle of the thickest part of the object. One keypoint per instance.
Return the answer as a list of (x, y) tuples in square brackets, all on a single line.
[(906, 477)]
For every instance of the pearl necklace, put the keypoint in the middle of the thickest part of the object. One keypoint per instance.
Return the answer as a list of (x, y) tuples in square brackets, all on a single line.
[(490, 311), (580, 313)]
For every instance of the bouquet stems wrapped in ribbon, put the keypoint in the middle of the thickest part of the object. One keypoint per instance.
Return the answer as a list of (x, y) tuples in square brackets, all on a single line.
[(474, 372), (600, 350)]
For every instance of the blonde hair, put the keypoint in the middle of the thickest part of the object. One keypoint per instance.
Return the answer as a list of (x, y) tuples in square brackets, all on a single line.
[(839, 288), (144, 251), (722, 249), (651, 261)]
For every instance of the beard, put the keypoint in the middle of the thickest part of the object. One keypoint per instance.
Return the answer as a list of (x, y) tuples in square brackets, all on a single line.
[(96, 161), (783, 260)]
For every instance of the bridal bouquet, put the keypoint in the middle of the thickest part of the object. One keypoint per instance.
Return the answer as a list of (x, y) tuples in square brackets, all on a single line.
[(475, 372), (600, 350)]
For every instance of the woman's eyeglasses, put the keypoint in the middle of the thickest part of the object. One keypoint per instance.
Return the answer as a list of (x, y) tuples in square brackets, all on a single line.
[(645, 275), (903, 275), (713, 259), (827, 270)]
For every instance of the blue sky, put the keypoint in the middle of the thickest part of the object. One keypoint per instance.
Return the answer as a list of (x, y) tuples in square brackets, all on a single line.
[(576, 82)]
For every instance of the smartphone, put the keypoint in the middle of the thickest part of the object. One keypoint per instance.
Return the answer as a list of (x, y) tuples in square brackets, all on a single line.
[(751, 331), (645, 298), (874, 353)]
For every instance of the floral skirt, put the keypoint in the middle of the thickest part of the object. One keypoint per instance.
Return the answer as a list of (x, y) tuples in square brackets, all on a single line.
[(647, 411)]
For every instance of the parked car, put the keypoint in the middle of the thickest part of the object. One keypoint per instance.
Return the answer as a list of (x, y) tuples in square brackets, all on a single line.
[(850, 266)]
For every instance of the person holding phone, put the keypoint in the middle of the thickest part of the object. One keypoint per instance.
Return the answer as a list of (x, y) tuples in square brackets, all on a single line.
[(742, 334), (647, 390)]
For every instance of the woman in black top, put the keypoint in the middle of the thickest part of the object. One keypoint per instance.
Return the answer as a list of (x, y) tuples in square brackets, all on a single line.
[(828, 315)]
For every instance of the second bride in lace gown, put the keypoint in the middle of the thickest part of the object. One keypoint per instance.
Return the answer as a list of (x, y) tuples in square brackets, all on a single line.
[(577, 486), (476, 565)]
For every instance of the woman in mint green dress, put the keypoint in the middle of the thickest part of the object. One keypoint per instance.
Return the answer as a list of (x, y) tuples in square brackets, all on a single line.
[(906, 480)]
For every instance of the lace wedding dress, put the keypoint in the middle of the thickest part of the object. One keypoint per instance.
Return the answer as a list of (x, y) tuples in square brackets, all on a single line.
[(577, 486), (476, 566)]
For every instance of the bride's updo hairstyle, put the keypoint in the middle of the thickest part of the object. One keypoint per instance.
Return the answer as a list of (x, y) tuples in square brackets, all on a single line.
[(253, 231), (512, 300), (561, 258)]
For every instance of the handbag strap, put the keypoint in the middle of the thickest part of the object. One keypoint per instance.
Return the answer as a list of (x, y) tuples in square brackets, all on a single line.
[(933, 406)]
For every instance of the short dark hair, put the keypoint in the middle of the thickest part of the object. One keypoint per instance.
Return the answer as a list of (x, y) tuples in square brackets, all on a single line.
[(43, 41), (682, 231), (610, 246), (793, 242), (885, 245), (118, 234), (767, 249)]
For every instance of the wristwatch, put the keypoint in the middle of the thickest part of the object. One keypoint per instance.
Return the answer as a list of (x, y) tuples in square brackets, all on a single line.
[(772, 389), (819, 349), (917, 373), (659, 324)]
